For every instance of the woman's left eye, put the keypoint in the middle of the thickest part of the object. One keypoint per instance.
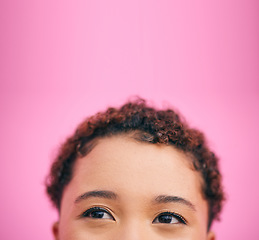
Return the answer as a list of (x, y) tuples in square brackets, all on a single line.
[(97, 213), (169, 218)]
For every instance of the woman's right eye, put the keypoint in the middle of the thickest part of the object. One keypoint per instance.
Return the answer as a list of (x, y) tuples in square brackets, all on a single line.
[(97, 213)]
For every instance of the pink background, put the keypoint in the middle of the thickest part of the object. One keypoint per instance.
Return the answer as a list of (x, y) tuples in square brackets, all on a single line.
[(64, 60)]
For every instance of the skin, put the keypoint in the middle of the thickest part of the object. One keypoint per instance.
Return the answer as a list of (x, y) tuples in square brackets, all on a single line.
[(136, 173)]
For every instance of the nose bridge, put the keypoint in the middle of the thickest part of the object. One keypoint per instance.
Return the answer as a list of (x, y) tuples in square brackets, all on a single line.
[(133, 230)]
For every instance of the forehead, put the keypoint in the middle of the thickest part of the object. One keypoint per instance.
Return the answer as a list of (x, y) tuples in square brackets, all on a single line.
[(126, 166)]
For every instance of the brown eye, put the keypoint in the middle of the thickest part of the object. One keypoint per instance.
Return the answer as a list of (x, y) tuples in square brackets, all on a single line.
[(97, 213), (169, 218)]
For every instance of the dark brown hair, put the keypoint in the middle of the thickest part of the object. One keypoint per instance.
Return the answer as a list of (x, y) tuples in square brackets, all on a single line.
[(149, 125)]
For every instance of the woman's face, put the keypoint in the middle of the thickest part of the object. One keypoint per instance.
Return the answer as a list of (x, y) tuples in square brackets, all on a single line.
[(124, 189)]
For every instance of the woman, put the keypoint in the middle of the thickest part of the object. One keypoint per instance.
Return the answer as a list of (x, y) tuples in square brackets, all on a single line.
[(135, 173)]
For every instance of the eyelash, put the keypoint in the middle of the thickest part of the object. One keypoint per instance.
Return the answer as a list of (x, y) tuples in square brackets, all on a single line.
[(87, 213)]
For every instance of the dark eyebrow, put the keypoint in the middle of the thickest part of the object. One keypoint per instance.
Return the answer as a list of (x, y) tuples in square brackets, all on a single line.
[(167, 199), (96, 194)]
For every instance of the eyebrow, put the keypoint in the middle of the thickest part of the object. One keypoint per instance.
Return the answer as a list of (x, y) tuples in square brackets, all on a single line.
[(168, 199), (113, 196), (96, 194)]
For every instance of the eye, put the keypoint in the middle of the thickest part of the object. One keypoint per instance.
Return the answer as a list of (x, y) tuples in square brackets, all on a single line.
[(98, 213), (169, 218)]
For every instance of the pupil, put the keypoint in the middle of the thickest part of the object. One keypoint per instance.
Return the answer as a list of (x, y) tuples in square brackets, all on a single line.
[(165, 219), (97, 214)]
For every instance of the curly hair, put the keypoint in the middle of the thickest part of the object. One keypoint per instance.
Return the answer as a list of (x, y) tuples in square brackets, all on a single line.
[(149, 125)]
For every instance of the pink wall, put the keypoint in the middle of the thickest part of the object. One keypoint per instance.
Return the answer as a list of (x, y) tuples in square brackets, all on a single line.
[(63, 60)]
